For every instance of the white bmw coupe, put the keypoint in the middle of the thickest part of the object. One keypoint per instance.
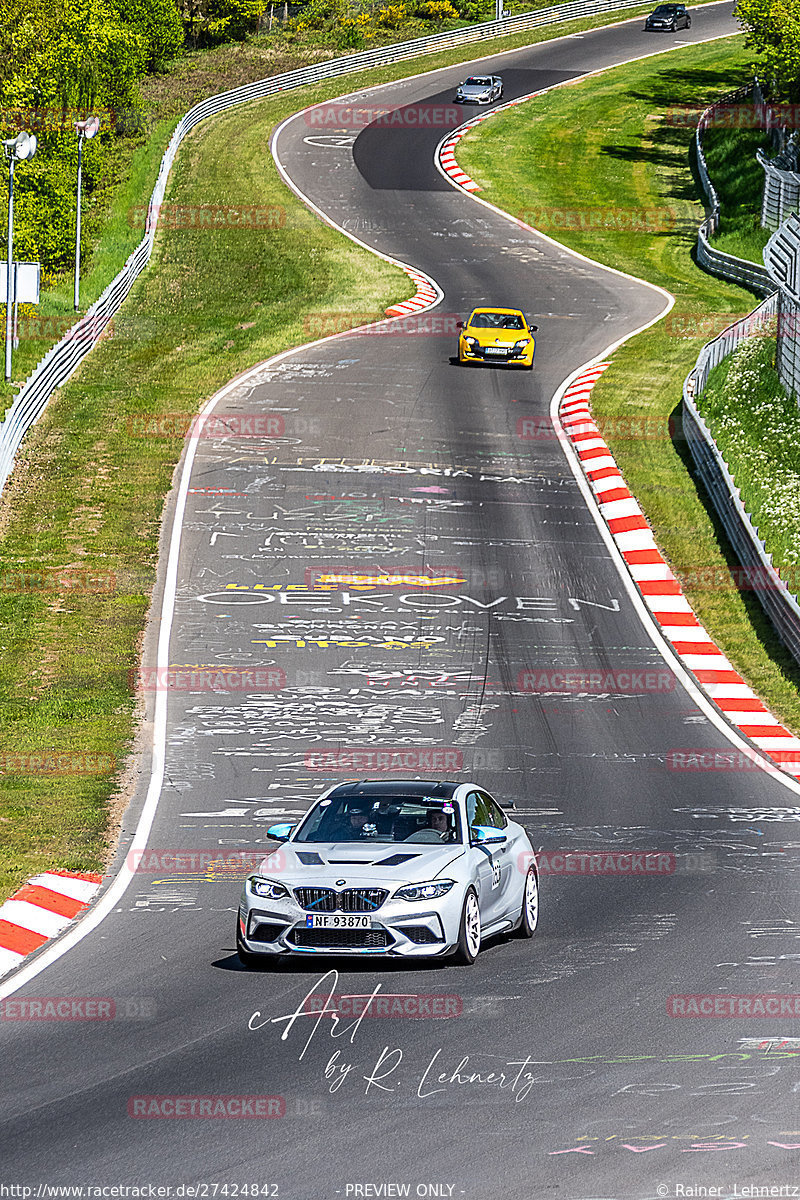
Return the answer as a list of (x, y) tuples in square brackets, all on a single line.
[(405, 868)]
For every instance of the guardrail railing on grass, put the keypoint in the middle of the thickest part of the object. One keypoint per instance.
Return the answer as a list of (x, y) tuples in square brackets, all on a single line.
[(780, 605), (63, 358), (726, 266)]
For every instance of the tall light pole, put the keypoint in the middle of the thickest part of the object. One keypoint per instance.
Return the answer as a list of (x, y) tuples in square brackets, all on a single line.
[(17, 149), (85, 129)]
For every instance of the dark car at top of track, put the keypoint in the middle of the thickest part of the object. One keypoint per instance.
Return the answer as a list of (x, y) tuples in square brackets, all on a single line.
[(669, 17)]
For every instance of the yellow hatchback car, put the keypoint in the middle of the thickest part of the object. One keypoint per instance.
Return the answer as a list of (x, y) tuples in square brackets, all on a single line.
[(497, 335)]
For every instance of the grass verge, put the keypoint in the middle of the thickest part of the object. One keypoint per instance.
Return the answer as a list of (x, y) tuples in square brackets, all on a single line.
[(617, 154), (739, 182), (757, 428)]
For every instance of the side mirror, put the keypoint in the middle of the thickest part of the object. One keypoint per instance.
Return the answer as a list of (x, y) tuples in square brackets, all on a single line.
[(486, 835), (534, 328), (280, 833), (459, 324)]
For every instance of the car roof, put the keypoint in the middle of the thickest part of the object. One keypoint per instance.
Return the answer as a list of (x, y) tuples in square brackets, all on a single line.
[(516, 312), (435, 789)]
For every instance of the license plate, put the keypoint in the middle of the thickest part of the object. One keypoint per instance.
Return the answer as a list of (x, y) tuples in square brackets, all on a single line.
[(337, 921), (500, 353)]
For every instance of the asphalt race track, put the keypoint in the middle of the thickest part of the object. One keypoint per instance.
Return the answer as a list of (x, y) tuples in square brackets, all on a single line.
[(390, 458)]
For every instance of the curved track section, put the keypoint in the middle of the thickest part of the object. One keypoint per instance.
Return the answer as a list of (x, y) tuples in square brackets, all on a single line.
[(558, 1071)]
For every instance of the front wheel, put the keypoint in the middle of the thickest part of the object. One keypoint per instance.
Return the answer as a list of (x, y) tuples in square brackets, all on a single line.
[(688, 22), (246, 957), (529, 917), (469, 933)]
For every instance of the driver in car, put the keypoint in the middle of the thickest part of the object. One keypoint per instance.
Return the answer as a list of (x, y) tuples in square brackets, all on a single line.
[(439, 821), (352, 825)]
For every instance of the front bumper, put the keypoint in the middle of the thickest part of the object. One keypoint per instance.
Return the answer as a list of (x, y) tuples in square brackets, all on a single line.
[(484, 99), (523, 355), (396, 929)]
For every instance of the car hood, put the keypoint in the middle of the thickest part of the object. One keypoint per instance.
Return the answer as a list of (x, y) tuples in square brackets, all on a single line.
[(496, 337), (378, 864), (474, 90)]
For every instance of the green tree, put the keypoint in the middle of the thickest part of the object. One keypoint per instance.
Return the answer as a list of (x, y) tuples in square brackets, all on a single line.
[(65, 58), (773, 31), (232, 20), (159, 23)]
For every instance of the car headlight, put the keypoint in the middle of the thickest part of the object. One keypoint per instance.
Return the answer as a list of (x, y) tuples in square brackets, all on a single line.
[(268, 889), (471, 342), (522, 343), (424, 891)]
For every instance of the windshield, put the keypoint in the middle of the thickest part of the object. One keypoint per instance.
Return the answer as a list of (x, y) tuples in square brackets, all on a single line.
[(381, 819), (665, 10), (477, 81), (493, 320)]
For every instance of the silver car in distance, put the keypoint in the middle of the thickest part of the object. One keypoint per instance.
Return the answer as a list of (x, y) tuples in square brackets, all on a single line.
[(407, 868), (479, 89)]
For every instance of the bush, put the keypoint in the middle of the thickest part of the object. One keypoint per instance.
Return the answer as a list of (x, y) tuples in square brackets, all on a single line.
[(231, 20), (437, 10), (159, 23), (392, 15)]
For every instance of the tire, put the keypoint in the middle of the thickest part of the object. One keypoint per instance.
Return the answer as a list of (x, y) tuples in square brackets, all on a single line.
[(468, 942), (688, 22), (529, 916), (246, 957)]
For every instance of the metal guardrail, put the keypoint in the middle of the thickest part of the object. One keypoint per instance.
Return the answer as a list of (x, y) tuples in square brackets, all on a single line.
[(726, 266), (781, 189), (780, 605), (63, 358)]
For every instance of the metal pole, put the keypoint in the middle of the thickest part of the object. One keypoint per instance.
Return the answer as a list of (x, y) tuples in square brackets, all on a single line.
[(9, 279), (78, 227)]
